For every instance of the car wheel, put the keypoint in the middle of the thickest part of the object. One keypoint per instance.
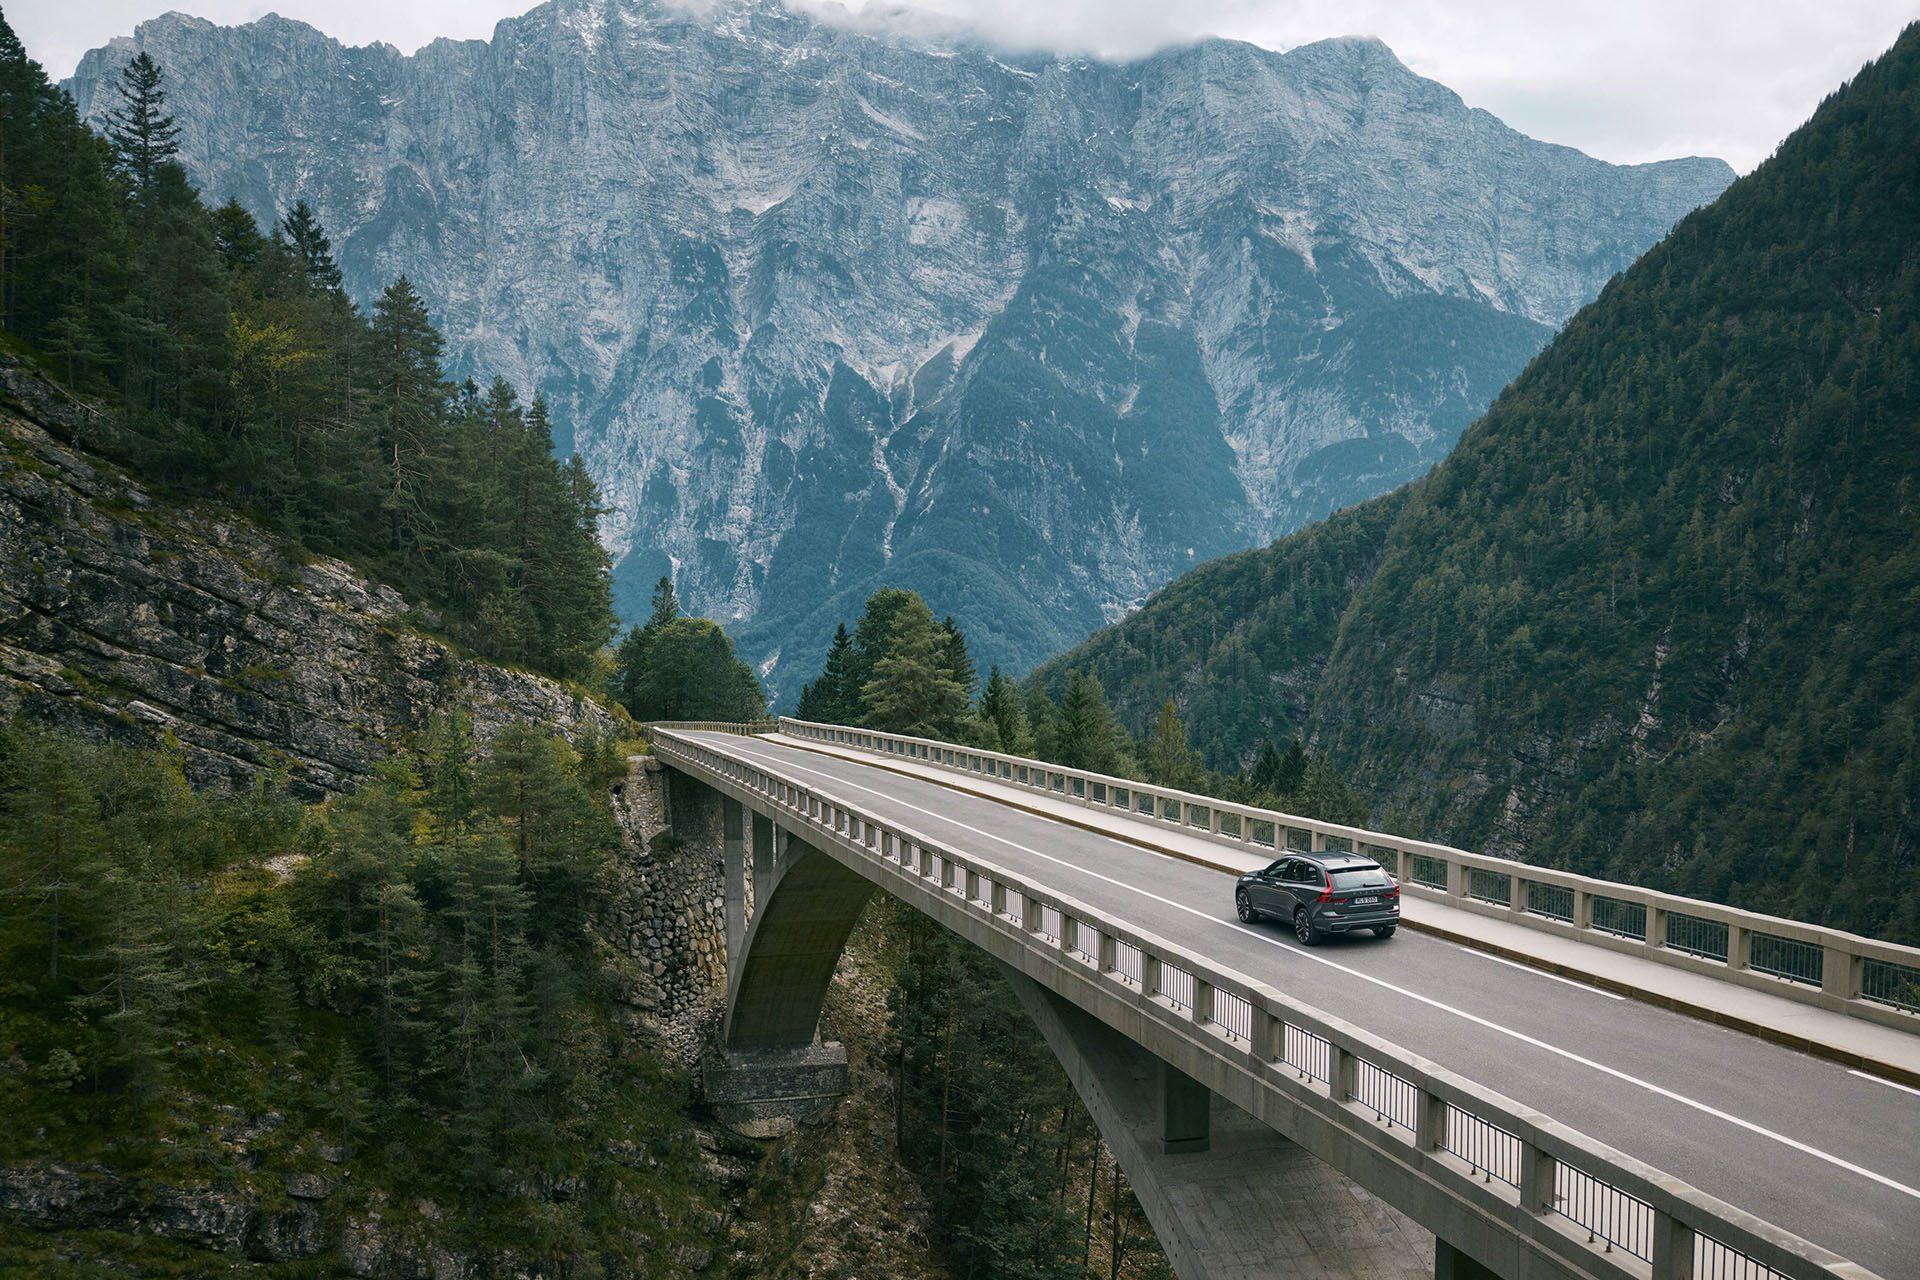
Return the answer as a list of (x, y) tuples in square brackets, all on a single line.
[(1303, 927), (1244, 905), (1384, 930)]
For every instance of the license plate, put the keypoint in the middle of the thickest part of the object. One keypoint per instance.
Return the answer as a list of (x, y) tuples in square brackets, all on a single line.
[(1366, 902)]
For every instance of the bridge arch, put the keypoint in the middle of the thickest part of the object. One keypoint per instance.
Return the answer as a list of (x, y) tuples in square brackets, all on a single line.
[(791, 908)]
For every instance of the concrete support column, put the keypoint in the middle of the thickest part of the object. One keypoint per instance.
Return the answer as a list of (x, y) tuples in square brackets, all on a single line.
[(763, 854), (1185, 1113), (1451, 1264), (733, 829)]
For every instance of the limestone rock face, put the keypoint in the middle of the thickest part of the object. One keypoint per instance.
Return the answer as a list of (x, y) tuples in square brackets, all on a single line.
[(125, 617), (825, 308)]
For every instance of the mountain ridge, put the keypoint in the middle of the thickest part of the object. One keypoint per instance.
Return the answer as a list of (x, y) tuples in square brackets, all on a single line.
[(836, 303)]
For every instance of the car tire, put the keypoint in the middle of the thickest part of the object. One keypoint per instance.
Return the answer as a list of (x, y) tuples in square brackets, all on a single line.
[(1384, 930), (1303, 927), (1244, 906)]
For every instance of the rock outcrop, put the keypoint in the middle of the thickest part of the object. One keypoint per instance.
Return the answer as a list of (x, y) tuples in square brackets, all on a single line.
[(129, 617), (824, 307)]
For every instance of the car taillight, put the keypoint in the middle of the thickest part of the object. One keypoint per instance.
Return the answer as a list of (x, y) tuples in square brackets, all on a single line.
[(1326, 894), (1393, 890)]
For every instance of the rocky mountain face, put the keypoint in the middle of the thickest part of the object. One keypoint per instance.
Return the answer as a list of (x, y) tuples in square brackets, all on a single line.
[(125, 616), (825, 309)]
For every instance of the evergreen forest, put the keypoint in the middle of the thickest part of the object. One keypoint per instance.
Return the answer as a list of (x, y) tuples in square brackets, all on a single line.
[(1654, 619), (225, 362)]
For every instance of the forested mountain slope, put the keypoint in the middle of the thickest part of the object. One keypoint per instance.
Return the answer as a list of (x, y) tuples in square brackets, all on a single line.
[(1655, 617), (826, 309)]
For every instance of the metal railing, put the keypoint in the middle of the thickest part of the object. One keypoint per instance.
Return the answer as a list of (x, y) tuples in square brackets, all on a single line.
[(1859, 976), (1484, 1149)]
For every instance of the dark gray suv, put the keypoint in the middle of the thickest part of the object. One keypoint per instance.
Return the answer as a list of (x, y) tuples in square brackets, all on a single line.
[(1321, 893)]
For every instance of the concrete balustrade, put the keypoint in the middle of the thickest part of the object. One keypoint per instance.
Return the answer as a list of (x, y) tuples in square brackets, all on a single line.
[(1561, 1204), (1808, 963)]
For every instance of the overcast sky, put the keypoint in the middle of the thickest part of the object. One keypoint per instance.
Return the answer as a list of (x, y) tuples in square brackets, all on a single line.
[(1625, 80)]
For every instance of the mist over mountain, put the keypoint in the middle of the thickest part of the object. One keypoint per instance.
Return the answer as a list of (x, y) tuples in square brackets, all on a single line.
[(825, 309)]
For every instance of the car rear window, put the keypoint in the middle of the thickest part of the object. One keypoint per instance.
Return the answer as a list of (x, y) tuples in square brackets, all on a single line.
[(1360, 878)]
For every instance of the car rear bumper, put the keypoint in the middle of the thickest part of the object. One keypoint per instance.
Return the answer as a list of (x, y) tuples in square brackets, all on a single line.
[(1358, 920)]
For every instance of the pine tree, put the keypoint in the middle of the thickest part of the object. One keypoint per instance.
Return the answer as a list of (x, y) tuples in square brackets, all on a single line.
[(834, 698), (237, 238), (143, 135), (1089, 737), (1170, 761), (959, 661), (301, 232), (666, 605), (913, 690), (1001, 713), (409, 406)]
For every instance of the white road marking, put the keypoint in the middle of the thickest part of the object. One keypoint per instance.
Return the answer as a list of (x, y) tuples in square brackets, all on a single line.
[(1133, 846), (1891, 1084), (1476, 1019)]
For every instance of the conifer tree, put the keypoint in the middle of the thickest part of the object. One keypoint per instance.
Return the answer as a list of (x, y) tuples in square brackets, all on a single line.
[(913, 689), (300, 230), (1089, 737), (409, 407), (143, 135), (1170, 761), (1002, 716), (237, 238)]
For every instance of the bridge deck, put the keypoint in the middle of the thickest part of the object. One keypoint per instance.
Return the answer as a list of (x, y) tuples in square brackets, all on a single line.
[(1892, 1052), (1805, 1143)]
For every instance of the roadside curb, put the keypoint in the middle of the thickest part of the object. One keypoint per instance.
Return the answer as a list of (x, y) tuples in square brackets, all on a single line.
[(1887, 1070)]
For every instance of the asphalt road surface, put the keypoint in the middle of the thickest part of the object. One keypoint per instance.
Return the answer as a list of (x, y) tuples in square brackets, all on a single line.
[(1807, 1144)]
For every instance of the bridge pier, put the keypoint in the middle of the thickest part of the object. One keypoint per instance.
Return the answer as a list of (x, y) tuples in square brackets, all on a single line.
[(788, 910), (1186, 1113), (1451, 1264), (1229, 1197)]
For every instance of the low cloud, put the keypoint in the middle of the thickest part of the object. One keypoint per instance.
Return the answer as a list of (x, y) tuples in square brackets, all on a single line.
[(1629, 81)]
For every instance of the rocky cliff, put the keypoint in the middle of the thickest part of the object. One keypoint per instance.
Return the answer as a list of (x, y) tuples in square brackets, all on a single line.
[(826, 308), (129, 616)]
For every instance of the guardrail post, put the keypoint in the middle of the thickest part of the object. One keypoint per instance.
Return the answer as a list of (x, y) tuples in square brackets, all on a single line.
[(1149, 973), (1536, 1178), (1839, 972), (1105, 958), (1202, 1001), (999, 903), (1517, 895), (1656, 927), (1268, 1032), (1459, 875), (1739, 946), (1316, 842), (1029, 913), (1429, 1119), (1582, 910), (1340, 1072), (1672, 1248)]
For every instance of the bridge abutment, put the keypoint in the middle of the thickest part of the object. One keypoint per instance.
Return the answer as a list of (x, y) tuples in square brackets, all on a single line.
[(765, 1093)]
